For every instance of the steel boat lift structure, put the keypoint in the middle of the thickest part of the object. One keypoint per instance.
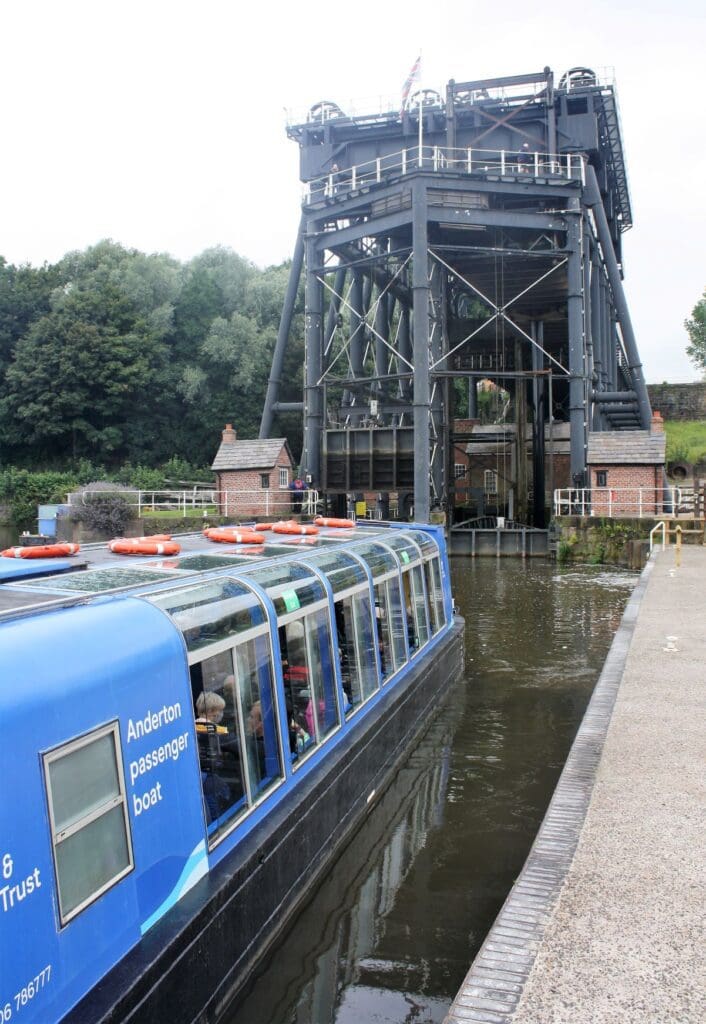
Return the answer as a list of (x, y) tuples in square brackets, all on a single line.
[(475, 235)]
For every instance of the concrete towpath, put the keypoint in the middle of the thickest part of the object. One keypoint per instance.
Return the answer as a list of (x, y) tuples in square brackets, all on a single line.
[(606, 921)]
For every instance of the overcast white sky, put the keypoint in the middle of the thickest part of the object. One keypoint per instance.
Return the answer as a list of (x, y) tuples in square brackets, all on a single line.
[(161, 124)]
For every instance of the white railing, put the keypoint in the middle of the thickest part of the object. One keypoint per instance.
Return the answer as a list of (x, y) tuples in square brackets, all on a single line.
[(261, 502), (438, 159), (661, 525), (624, 502)]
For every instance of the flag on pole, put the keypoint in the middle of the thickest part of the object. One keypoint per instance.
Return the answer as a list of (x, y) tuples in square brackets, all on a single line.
[(412, 77)]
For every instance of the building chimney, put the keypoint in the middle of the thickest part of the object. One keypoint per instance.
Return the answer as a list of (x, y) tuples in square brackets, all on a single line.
[(657, 423), (229, 435)]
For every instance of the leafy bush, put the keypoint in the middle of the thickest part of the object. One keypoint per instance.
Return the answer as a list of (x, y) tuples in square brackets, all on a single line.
[(107, 512), (23, 490)]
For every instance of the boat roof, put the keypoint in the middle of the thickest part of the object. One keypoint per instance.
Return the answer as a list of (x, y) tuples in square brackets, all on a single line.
[(96, 570)]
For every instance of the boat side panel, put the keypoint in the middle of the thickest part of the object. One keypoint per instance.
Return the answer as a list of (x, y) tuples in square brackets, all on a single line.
[(62, 675)]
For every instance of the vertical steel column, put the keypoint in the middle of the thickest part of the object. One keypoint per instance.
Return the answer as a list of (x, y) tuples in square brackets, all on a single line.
[(538, 411), (404, 347), (420, 324), (607, 334), (356, 339), (593, 199), (313, 404), (577, 389), (588, 321), (551, 116), (520, 388), (472, 398), (285, 324), (436, 349), (597, 333)]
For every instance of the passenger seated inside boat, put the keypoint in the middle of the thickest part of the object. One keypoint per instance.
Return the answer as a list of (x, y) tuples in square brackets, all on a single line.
[(254, 729), (209, 732)]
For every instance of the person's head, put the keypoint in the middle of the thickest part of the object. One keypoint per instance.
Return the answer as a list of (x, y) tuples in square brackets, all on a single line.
[(255, 719), (229, 689), (525, 146), (211, 706), (334, 167)]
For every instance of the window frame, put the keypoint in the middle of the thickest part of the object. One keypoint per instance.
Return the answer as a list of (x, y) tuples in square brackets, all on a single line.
[(601, 478), (490, 476), (265, 481), (56, 754), (283, 478)]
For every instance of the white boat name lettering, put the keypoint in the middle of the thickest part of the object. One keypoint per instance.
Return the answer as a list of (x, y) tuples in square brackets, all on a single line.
[(11, 895), (153, 720), (169, 751)]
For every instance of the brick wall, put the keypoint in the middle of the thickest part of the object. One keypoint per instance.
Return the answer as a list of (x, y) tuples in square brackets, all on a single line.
[(242, 493), (629, 490)]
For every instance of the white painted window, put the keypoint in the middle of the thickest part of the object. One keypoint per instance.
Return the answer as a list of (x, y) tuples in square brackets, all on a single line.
[(459, 470), (89, 818), (284, 477), (490, 481)]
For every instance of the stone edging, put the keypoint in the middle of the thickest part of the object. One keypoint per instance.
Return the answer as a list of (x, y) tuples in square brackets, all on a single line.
[(493, 987)]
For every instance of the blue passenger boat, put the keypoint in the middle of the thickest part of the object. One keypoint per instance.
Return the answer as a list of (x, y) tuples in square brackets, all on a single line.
[(184, 745)]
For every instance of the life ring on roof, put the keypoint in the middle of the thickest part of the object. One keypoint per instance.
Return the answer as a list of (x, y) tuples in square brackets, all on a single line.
[(140, 546), (42, 551), (339, 524), (236, 536), (301, 530)]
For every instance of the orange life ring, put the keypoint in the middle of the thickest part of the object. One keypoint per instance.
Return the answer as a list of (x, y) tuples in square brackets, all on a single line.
[(236, 536), (341, 524), (42, 551), (299, 529), (133, 546), (262, 527)]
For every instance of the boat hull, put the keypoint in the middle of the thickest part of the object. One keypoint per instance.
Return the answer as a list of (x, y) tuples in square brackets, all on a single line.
[(193, 962)]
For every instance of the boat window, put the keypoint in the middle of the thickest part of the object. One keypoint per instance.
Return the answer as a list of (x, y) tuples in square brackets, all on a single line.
[(89, 818), (432, 578), (378, 559), (340, 569), (307, 669), (210, 612), (404, 547), (290, 586), (356, 648), (415, 608), (353, 621), (391, 626), (236, 729)]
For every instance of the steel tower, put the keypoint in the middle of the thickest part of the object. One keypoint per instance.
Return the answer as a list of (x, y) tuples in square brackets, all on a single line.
[(474, 235)]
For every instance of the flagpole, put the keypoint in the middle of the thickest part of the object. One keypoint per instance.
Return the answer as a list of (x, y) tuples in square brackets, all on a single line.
[(421, 128), (421, 115)]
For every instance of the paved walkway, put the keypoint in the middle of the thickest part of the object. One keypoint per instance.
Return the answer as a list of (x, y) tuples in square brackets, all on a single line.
[(606, 922)]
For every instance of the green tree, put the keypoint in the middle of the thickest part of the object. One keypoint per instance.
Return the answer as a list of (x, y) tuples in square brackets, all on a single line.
[(696, 329), (80, 380)]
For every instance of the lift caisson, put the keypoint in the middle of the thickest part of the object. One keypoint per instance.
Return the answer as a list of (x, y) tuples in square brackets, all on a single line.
[(471, 236)]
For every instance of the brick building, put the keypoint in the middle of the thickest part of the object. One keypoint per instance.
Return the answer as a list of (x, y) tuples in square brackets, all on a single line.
[(253, 477), (485, 461), (627, 471)]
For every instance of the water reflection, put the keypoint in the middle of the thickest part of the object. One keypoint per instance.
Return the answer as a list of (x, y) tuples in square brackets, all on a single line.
[(391, 931)]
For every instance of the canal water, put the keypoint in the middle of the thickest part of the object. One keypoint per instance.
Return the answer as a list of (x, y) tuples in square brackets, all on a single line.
[(394, 924)]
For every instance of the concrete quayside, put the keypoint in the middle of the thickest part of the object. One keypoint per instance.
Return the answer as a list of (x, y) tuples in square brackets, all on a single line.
[(605, 921)]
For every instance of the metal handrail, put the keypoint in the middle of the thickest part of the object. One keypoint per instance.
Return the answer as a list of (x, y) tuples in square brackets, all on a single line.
[(665, 536), (624, 502), (269, 501), (440, 159)]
